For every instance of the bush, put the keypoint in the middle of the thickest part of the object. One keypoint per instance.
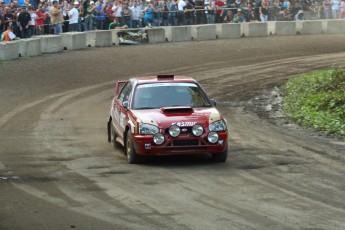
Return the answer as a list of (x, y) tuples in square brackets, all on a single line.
[(317, 100)]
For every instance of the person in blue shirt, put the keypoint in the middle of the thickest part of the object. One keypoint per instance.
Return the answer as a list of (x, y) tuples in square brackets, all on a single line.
[(100, 16), (148, 17)]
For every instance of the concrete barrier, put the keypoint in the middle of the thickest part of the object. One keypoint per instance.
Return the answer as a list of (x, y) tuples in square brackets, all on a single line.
[(178, 33), (281, 28), (74, 40), (156, 35), (114, 37), (99, 38), (204, 32), (91, 38), (229, 30), (30, 47), (309, 27), (9, 50), (50, 43), (333, 26), (254, 29), (103, 38)]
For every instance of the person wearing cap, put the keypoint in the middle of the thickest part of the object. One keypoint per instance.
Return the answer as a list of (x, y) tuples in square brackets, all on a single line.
[(8, 35), (89, 19), (238, 18), (73, 15), (23, 20), (56, 17)]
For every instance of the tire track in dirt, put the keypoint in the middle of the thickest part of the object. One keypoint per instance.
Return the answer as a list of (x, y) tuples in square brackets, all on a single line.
[(86, 160)]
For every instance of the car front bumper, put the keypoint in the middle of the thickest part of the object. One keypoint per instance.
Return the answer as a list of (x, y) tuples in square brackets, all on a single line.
[(184, 144)]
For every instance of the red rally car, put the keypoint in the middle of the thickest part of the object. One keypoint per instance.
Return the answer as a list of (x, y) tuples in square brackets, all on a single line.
[(166, 115)]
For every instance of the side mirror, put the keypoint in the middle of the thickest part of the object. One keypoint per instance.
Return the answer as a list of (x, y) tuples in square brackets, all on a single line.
[(213, 102), (125, 104)]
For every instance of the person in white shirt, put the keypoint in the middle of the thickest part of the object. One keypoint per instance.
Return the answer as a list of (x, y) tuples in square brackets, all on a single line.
[(135, 15), (32, 23), (117, 9), (180, 13), (73, 17)]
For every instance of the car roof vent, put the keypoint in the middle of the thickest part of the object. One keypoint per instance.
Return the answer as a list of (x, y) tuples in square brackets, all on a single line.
[(165, 76)]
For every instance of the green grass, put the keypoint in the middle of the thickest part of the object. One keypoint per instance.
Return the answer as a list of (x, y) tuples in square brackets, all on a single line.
[(317, 100)]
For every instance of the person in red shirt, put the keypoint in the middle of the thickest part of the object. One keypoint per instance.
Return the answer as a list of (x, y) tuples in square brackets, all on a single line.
[(41, 16), (218, 12)]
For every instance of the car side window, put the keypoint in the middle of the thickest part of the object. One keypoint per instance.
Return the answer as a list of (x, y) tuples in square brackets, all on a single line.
[(125, 92)]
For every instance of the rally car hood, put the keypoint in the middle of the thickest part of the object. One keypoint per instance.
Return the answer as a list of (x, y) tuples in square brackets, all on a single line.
[(181, 116)]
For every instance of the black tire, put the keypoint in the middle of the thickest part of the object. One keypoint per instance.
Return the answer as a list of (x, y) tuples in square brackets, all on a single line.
[(220, 157), (132, 156)]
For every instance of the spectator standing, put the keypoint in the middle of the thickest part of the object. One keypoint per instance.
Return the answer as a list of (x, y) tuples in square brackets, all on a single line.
[(273, 10), (189, 13), (40, 12), (148, 17), (165, 14), (135, 15), (100, 16), (173, 12), (218, 12), (109, 15), (335, 8), (342, 9), (157, 10), (24, 19), (209, 5), (200, 17), (264, 12), (327, 9), (89, 20), (73, 15), (65, 16), (32, 24), (127, 15), (56, 17), (181, 4), (117, 9), (7, 19)]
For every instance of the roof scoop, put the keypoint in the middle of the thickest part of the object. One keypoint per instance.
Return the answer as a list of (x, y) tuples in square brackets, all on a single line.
[(177, 109)]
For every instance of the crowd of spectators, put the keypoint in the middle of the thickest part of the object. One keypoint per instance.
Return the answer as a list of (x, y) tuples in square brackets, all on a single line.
[(26, 18)]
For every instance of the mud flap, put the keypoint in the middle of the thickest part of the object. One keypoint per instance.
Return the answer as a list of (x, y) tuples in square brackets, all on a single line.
[(109, 130)]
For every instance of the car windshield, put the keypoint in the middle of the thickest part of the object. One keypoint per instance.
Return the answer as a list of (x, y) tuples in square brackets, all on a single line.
[(157, 95)]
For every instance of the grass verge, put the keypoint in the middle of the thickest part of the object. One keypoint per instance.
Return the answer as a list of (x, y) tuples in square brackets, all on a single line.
[(317, 100)]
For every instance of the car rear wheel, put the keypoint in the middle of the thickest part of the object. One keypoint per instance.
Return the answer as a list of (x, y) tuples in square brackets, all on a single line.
[(132, 156), (220, 157)]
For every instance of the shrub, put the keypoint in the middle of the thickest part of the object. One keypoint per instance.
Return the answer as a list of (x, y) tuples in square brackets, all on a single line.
[(317, 100)]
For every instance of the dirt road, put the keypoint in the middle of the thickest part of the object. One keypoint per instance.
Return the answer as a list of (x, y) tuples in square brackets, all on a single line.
[(57, 170)]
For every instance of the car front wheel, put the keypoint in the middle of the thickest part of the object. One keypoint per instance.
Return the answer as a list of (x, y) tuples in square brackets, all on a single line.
[(220, 157), (132, 156)]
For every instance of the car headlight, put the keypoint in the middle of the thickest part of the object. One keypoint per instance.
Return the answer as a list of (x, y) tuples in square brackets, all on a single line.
[(217, 126), (197, 130), (158, 138), (148, 129), (174, 131), (212, 137)]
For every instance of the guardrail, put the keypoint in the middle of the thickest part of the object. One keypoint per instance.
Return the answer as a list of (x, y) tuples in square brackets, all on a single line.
[(104, 38)]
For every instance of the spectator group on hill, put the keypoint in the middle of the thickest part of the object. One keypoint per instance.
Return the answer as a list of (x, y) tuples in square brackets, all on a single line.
[(26, 18)]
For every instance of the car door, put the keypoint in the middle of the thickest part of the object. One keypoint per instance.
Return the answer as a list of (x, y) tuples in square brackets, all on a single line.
[(121, 107)]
